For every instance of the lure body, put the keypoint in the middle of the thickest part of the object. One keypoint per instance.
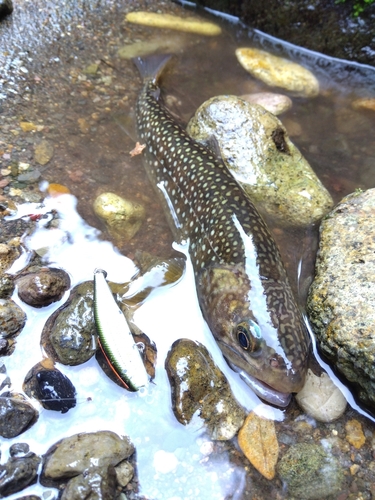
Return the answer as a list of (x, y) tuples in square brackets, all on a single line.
[(115, 337)]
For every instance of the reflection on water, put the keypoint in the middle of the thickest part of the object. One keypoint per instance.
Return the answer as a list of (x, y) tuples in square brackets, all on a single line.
[(46, 52)]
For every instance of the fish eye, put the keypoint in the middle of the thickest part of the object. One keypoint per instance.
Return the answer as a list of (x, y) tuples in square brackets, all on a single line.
[(249, 335)]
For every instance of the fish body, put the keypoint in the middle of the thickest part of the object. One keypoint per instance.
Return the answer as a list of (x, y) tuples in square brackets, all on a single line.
[(242, 287), (115, 337)]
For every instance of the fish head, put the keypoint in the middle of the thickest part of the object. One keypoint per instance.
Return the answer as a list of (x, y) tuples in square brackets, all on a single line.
[(258, 328)]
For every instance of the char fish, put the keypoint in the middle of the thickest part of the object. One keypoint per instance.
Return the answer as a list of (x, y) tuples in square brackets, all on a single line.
[(242, 286)]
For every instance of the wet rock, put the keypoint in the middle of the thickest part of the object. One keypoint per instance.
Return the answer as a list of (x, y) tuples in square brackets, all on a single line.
[(6, 286), (50, 387), (124, 473), (321, 398), (18, 472), (309, 472), (40, 287), (278, 72), (169, 21), (8, 254), (342, 296), (123, 218), (364, 103), (274, 103), (6, 8), (69, 457), (12, 318), (43, 152), (200, 391), (16, 415), (4, 379), (354, 433), (164, 45), (256, 148), (68, 333), (98, 483)]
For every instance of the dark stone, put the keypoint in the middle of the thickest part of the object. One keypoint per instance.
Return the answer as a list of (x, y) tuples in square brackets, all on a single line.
[(6, 286), (6, 8), (19, 449), (17, 473), (16, 415), (321, 25), (42, 286), (12, 318), (67, 336), (50, 387)]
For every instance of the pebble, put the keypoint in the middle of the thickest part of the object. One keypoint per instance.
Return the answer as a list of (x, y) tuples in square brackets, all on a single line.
[(364, 103), (12, 318), (18, 472), (97, 483), (274, 103), (43, 152), (68, 335), (200, 392), (123, 218), (278, 72), (321, 398), (169, 21), (69, 457), (354, 433), (40, 287), (124, 473), (6, 8), (310, 473), (16, 415), (255, 146), (258, 441)]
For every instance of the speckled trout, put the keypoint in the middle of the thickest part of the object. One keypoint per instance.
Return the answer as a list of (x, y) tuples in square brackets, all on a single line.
[(242, 286)]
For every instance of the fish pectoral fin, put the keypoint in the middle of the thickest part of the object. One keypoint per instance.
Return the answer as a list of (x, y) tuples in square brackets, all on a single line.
[(127, 123), (213, 145)]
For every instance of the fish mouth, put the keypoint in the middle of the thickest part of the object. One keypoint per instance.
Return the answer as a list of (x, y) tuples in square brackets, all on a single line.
[(263, 390)]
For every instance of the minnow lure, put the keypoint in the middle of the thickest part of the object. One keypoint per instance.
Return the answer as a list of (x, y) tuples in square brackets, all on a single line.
[(242, 287), (115, 338)]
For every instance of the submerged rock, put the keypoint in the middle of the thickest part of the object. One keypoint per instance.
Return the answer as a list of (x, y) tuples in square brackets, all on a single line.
[(321, 398), (123, 218), (256, 148), (6, 8), (19, 471), (309, 472), (169, 21), (69, 333), (342, 296), (50, 387), (16, 415), (40, 287), (274, 103), (69, 457), (200, 391), (278, 72)]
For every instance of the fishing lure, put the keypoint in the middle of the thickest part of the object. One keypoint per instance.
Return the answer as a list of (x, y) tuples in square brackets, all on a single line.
[(115, 338)]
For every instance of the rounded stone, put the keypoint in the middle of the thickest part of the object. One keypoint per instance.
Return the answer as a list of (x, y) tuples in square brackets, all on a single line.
[(309, 473), (278, 72), (69, 333), (321, 398), (12, 318), (43, 286), (274, 103), (255, 146), (16, 415), (122, 217)]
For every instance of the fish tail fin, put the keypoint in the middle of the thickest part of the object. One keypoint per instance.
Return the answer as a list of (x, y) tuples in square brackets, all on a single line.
[(151, 67)]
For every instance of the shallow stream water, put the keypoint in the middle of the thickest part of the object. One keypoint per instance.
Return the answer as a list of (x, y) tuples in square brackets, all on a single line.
[(44, 51)]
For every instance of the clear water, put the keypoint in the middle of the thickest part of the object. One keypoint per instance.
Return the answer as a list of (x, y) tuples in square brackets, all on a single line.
[(45, 49)]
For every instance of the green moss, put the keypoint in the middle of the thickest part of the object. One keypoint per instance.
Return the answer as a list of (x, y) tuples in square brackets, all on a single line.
[(359, 5)]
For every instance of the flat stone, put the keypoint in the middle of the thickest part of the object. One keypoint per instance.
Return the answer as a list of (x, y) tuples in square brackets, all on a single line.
[(41, 287), (342, 296), (278, 72), (274, 103), (70, 456)]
